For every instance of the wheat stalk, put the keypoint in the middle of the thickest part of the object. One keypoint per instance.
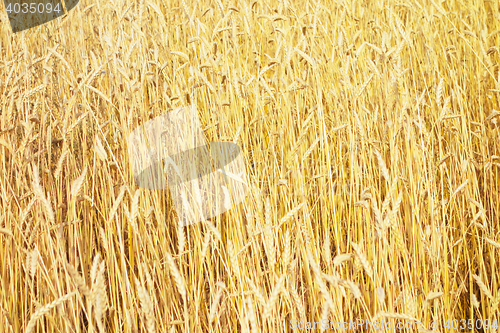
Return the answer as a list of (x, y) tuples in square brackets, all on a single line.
[(287, 253), (268, 236)]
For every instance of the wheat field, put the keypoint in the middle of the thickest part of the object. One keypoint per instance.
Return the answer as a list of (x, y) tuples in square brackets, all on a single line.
[(370, 136)]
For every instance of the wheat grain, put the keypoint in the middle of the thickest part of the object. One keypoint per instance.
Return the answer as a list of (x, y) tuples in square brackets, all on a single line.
[(149, 280), (474, 301), (382, 166), (147, 307), (291, 213), (341, 258), (251, 315), (433, 295), (184, 56), (32, 262), (205, 246), (221, 7), (33, 91), (104, 239), (216, 301), (492, 242), (37, 189), (233, 258), (77, 184), (99, 149), (362, 258), (380, 292), (319, 280), (273, 298), (26, 211), (116, 204), (439, 92), (95, 267), (410, 303), (174, 271), (353, 287), (327, 252), (80, 283), (76, 123), (486, 291), (99, 296), (299, 307), (44, 310), (60, 162), (395, 210), (257, 293)]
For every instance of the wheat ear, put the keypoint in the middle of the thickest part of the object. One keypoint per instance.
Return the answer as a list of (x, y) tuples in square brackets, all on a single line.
[(45, 309)]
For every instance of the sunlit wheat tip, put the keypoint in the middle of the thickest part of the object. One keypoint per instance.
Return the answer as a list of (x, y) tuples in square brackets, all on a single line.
[(77, 184), (486, 291)]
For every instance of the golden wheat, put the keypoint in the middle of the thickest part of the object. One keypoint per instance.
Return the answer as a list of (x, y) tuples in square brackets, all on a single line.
[(369, 132)]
